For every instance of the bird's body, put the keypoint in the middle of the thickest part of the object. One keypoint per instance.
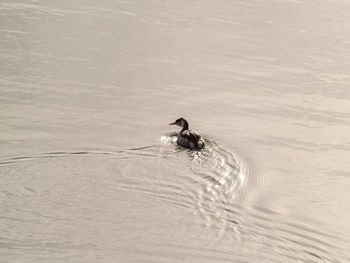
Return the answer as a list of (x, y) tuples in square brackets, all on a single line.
[(187, 138)]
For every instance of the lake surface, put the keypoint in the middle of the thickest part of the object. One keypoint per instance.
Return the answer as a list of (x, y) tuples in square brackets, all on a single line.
[(90, 170)]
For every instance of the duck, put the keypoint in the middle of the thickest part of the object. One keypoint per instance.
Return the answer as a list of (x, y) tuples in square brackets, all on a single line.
[(187, 138)]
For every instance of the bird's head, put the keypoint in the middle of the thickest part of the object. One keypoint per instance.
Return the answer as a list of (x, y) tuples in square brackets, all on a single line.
[(180, 122)]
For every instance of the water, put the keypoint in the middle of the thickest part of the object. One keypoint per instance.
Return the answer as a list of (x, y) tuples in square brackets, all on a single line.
[(90, 172)]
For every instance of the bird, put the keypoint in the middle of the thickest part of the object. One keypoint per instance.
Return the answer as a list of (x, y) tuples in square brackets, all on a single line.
[(187, 138)]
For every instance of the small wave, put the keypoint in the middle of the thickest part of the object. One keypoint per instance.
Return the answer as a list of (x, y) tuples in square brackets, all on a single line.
[(216, 186), (211, 183), (225, 179), (146, 151)]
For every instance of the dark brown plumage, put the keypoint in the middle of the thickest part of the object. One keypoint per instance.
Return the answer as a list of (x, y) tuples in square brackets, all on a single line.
[(187, 138)]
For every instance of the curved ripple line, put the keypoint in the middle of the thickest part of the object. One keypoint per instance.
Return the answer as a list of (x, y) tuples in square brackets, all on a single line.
[(223, 176), (127, 153), (216, 178)]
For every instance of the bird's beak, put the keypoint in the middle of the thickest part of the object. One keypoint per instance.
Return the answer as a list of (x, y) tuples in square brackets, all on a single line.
[(172, 123)]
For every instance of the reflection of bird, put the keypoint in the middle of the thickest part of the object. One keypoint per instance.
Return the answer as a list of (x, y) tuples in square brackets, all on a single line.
[(186, 137)]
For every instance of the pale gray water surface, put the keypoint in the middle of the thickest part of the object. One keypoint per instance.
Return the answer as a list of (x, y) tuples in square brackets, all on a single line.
[(90, 171)]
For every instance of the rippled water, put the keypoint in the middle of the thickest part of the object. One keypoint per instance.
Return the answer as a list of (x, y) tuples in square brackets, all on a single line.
[(90, 170)]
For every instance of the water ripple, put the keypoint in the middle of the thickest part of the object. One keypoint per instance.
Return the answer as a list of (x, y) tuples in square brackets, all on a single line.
[(216, 186)]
